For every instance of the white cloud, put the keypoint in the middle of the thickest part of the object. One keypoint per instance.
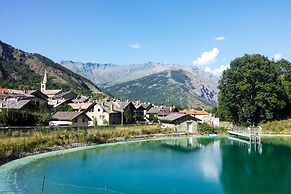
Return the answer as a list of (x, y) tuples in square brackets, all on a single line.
[(135, 45), (216, 71), (219, 38), (278, 56), (211, 162), (207, 57)]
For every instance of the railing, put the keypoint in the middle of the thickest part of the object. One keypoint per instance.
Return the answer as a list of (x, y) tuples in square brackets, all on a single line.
[(253, 133), (249, 130)]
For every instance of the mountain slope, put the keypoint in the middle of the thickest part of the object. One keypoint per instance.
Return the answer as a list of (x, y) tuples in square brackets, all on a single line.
[(168, 87), (197, 86), (22, 70), (102, 74)]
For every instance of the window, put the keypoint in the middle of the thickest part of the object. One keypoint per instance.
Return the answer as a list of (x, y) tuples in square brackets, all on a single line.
[(83, 120), (98, 109), (75, 120)]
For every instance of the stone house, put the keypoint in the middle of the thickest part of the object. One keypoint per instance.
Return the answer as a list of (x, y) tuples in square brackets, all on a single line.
[(139, 113), (127, 110), (180, 122), (151, 114), (83, 107), (141, 110), (204, 116), (15, 104), (38, 97), (147, 106), (21, 100), (104, 113), (76, 119), (66, 96)]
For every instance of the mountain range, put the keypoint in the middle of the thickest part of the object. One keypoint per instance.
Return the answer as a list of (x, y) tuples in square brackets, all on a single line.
[(168, 84), (23, 70), (160, 83)]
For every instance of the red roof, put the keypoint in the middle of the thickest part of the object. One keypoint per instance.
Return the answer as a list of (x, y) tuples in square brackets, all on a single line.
[(194, 112), (4, 90)]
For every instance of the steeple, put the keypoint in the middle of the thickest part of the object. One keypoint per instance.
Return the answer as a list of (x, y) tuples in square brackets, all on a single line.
[(44, 78), (44, 82)]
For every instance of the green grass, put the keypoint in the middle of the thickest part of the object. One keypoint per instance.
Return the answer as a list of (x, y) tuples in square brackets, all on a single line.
[(277, 127), (15, 144)]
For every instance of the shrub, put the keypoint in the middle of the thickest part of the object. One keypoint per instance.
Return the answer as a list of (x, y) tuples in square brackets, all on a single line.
[(221, 130), (95, 124), (17, 118), (42, 118), (64, 108), (23, 118), (204, 128)]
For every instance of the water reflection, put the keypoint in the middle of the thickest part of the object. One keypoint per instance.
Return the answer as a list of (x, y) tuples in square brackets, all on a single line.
[(211, 162), (206, 162), (250, 146), (187, 145), (245, 171)]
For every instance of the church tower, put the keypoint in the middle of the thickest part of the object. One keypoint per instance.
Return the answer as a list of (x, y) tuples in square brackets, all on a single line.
[(44, 82)]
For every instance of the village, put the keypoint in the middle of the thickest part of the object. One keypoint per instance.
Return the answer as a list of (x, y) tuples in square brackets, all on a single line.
[(68, 109)]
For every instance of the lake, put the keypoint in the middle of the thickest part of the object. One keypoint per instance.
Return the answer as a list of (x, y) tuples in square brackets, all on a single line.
[(180, 165)]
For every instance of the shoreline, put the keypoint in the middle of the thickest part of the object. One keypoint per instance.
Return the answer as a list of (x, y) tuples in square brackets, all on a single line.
[(158, 136), (8, 170), (55, 148)]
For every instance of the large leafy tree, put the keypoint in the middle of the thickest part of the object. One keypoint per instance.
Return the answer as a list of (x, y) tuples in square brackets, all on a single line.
[(284, 68), (252, 90)]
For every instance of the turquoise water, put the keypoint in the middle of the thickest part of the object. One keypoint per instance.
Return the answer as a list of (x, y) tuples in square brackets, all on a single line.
[(183, 165)]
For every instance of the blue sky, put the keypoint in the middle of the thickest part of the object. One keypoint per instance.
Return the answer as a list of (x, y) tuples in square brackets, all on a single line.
[(208, 33)]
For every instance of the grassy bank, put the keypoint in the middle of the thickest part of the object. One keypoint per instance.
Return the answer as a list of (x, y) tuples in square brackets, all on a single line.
[(17, 144), (277, 127)]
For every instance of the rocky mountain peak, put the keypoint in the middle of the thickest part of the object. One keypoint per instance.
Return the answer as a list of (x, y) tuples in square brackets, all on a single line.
[(121, 81)]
